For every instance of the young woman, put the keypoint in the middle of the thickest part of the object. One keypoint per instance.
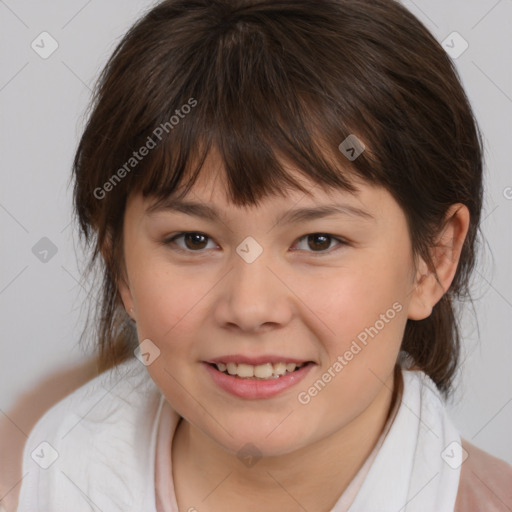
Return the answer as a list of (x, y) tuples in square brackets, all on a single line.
[(284, 198)]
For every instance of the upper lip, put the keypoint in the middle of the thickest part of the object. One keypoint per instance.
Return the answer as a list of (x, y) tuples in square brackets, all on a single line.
[(254, 361)]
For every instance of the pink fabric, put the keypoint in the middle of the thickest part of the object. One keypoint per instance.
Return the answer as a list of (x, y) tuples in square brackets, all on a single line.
[(165, 497), (485, 483)]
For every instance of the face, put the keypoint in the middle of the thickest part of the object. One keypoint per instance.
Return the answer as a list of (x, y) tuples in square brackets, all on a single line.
[(264, 287)]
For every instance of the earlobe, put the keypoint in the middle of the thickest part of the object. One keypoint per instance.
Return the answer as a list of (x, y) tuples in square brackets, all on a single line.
[(421, 303), (124, 291), (431, 285), (126, 296), (123, 287), (105, 248)]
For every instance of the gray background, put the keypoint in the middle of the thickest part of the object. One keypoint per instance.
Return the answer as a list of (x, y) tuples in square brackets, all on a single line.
[(42, 104)]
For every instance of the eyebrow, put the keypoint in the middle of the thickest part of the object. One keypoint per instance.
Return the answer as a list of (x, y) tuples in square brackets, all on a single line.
[(204, 211)]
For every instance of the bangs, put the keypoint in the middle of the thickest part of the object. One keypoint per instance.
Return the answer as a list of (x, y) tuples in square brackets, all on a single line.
[(259, 108), (256, 152)]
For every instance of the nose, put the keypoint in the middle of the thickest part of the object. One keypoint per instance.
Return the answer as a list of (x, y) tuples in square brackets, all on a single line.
[(253, 297)]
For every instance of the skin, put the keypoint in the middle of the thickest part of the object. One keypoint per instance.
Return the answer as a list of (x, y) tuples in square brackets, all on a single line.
[(298, 298)]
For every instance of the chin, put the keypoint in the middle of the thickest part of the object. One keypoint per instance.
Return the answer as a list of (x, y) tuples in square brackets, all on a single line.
[(265, 438)]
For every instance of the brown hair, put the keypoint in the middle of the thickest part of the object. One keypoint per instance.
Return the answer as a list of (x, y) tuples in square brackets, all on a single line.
[(272, 80)]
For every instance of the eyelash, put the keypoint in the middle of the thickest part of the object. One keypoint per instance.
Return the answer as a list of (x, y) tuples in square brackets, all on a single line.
[(171, 241)]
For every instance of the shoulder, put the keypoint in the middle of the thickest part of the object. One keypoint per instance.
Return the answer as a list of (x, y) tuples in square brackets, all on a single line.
[(485, 482), (119, 394), (97, 441)]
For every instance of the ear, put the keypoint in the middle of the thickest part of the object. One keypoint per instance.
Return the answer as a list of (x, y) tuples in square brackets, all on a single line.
[(123, 286), (429, 288)]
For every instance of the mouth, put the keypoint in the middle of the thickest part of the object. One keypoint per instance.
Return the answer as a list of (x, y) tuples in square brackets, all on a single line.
[(256, 378), (263, 371)]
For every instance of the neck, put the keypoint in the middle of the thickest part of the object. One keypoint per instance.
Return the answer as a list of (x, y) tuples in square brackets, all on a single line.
[(293, 481)]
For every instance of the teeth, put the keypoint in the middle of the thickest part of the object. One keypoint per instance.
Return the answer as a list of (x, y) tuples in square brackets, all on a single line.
[(279, 368), (261, 371), (245, 370)]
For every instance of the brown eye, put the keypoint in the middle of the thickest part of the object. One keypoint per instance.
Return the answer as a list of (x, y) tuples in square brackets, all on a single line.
[(195, 240), (318, 242)]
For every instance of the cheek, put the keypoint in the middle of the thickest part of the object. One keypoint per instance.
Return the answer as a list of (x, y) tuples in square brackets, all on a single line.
[(354, 298), (364, 307), (167, 302), (365, 310), (169, 307)]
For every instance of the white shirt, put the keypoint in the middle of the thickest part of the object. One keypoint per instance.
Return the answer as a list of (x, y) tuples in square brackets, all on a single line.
[(96, 450)]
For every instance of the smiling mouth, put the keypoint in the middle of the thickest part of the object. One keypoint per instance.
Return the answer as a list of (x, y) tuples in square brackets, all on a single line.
[(263, 371)]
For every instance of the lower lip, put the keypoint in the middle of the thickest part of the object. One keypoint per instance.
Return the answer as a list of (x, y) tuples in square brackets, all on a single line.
[(254, 389)]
